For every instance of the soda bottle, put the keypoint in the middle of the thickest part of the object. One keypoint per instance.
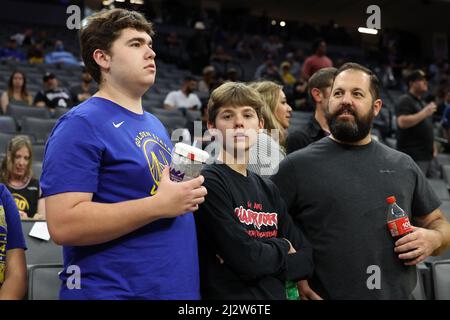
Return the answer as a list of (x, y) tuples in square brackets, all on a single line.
[(397, 220), (292, 290)]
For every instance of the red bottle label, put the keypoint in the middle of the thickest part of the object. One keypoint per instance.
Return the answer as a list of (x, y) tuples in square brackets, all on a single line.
[(400, 226)]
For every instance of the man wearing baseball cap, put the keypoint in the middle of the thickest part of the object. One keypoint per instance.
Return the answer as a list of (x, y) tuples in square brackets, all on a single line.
[(415, 135), (52, 96)]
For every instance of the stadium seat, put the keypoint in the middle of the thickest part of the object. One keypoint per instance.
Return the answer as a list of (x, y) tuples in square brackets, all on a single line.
[(7, 124), (40, 251), (149, 103), (301, 115), (38, 152), (4, 140), (37, 169), (440, 188), (391, 142), (441, 279), (446, 173), (193, 115), (166, 113), (443, 158), (44, 282), (59, 112), (445, 208), (419, 291), (40, 128), (427, 279), (172, 122), (19, 112)]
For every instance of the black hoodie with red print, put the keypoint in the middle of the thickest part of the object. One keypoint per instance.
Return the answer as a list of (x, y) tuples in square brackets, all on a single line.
[(242, 227)]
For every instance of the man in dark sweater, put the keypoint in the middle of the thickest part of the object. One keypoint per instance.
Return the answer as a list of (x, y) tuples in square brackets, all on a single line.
[(248, 244), (319, 87), (415, 135)]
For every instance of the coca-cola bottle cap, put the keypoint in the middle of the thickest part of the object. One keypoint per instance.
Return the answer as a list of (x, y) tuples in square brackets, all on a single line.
[(390, 200)]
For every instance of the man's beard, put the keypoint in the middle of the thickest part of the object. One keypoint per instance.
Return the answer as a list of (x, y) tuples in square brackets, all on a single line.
[(347, 130)]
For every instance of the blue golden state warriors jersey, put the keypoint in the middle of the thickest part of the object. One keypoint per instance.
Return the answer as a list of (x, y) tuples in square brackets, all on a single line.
[(11, 235), (117, 155)]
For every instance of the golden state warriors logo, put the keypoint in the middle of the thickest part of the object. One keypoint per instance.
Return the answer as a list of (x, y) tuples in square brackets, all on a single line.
[(21, 202), (157, 154), (2, 217)]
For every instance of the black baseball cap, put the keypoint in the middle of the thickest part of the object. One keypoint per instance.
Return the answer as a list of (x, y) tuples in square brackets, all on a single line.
[(48, 76), (416, 75)]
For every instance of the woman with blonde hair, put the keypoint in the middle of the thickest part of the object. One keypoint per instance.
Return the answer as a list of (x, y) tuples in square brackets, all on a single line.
[(17, 175), (17, 91), (266, 154)]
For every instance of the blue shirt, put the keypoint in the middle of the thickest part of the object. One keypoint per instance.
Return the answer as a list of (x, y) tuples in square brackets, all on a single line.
[(11, 235), (102, 148)]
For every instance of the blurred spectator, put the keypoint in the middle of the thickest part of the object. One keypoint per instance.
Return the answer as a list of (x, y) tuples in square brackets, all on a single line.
[(85, 89), (172, 40), (60, 56), (208, 82), (318, 60), (286, 74), (268, 150), (17, 175), (232, 75), (11, 52), (294, 64), (255, 45), (43, 41), (185, 98), (24, 39), (35, 54), (407, 70), (243, 50), (17, 91), (319, 87), (299, 56), (28, 37), (52, 96), (219, 55), (415, 134), (198, 47), (174, 48), (387, 75), (268, 71), (300, 94), (440, 95), (446, 116), (273, 46)]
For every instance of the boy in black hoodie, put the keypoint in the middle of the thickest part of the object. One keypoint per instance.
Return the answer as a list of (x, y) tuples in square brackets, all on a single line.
[(248, 244)]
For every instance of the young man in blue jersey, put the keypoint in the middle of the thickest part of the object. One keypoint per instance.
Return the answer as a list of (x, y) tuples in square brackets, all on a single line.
[(110, 201), (13, 267)]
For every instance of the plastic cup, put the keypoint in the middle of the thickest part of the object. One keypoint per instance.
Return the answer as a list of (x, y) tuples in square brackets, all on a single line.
[(187, 162)]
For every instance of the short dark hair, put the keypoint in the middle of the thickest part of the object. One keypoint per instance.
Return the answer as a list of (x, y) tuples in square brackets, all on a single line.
[(233, 94), (316, 44), (321, 79), (190, 78), (102, 29), (415, 75), (374, 81)]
